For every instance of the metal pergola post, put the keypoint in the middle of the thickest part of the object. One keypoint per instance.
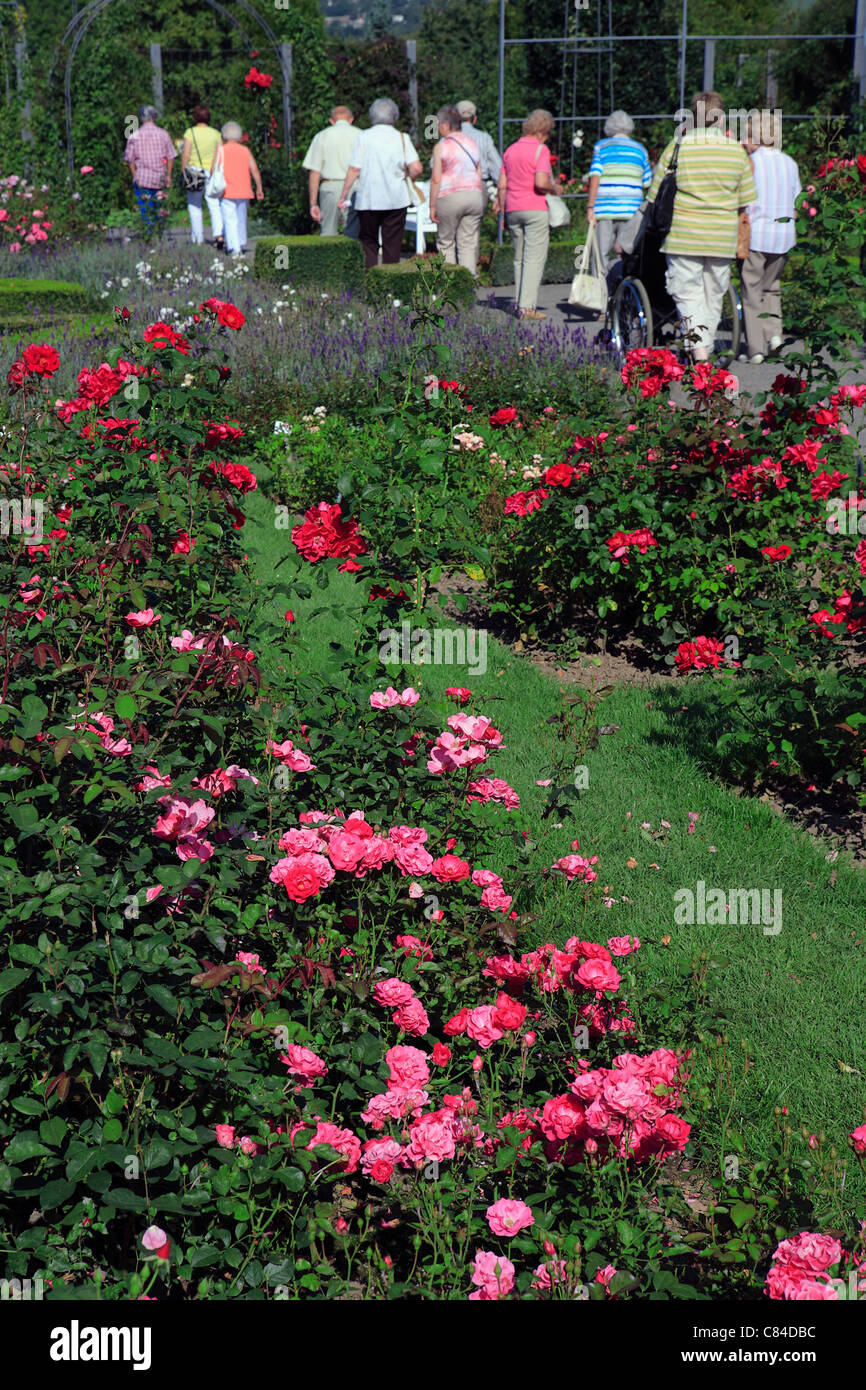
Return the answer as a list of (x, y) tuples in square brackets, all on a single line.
[(501, 144)]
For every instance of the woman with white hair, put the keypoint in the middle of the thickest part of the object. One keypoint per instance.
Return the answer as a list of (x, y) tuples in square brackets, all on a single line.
[(619, 175), (383, 162), (241, 172)]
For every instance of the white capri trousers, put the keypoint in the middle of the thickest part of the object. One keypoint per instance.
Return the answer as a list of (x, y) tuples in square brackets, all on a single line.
[(235, 219), (196, 216), (697, 285)]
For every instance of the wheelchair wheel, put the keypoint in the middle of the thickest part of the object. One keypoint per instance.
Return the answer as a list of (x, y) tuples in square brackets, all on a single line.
[(631, 317), (729, 332)]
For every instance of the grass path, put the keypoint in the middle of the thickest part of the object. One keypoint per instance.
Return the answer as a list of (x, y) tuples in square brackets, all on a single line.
[(795, 1001)]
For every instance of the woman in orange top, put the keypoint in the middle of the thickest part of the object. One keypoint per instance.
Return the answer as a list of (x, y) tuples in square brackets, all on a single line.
[(241, 172)]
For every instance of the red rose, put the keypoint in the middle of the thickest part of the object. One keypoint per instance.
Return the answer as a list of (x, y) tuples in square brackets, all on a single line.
[(15, 376), (290, 617), (41, 360), (506, 416), (508, 1014), (441, 1055), (450, 868), (381, 1170), (776, 552), (230, 316), (457, 1024), (560, 475)]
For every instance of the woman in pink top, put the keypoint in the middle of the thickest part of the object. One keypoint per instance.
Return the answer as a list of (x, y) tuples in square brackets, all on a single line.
[(525, 180), (241, 172), (457, 199)]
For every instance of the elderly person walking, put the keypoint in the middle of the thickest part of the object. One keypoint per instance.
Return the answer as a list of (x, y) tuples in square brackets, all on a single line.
[(150, 154), (619, 175), (327, 160), (200, 144), (777, 180), (714, 184), (383, 162), (457, 197), (491, 159), (241, 172), (525, 179)]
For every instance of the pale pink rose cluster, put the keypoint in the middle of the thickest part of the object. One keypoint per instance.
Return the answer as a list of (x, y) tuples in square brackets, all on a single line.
[(103, 726), (801, 1270), (184, 821), (466, 743), (486, 789), (392, 699), (303, 1063), (295, 759)]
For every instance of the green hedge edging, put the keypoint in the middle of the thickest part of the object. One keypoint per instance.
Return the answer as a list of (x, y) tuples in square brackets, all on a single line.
[(385, 283), (559, 269), (23, 300), (328, 262)]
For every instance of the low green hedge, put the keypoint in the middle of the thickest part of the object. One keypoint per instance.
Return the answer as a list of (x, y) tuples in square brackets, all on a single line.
[(23, 301), (328, 262), (558, 270), (385, 283)]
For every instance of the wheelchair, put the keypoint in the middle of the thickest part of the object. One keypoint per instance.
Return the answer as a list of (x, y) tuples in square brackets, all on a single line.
[(642, 314)]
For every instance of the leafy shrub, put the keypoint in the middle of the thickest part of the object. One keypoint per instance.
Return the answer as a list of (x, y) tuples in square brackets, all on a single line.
[(22, 300), (333, 263), (385, 283)]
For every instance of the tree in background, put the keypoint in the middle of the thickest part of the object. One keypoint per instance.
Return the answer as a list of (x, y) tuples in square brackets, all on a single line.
[(379, 24)]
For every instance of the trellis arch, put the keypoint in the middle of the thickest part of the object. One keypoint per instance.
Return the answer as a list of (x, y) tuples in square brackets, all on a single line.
[(80, 24)]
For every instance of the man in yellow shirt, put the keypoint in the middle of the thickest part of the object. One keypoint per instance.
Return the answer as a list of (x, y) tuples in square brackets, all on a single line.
[(714, 183), (327, 160)]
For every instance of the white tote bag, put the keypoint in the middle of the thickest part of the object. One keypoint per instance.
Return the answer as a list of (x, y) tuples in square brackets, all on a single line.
[(558, 214), (588, 291), (216, 179)]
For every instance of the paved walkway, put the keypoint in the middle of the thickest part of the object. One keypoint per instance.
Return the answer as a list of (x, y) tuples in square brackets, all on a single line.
[(553, 300)]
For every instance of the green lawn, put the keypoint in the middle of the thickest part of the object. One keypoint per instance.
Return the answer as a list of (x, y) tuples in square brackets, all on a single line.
[(795, 1001)]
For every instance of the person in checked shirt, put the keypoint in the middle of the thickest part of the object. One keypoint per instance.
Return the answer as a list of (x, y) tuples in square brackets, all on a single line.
[(150, 154)]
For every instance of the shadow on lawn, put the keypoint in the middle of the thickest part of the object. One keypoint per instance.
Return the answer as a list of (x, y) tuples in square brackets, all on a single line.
[(694, 724)]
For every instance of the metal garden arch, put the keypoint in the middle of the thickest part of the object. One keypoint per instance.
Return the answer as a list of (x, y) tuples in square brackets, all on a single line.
[(80, 24)]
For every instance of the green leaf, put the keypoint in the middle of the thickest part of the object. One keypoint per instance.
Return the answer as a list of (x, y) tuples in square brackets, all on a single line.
[(125, 707), (55, 1193), (24, 1146), (164, 997), (10, 979), (742, 1213), (98, 1053)]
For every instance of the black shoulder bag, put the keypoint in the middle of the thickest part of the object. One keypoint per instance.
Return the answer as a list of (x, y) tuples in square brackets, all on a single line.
[(194, 180), (660, 212)]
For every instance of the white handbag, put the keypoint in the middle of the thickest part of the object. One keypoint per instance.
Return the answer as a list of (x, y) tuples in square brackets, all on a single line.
[(558, 214), (588, 291), (216, 179)]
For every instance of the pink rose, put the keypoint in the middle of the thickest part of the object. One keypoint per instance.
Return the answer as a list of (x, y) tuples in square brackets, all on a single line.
[(481, 1026), (302, 1062), (507, 1217), (493, 1275), (407, 1066), (392, 993)]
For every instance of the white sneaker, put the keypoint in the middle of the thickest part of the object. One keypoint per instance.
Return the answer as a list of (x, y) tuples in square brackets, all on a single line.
[(743, 357), (757, 359), (775, 342)]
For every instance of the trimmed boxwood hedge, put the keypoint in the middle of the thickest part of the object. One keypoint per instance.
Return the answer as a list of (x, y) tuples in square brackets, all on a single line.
[(23, 301), (386, 283), (559, 269), (328, 262)]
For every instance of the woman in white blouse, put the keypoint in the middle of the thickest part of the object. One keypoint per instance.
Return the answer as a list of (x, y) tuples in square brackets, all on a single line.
[(383, 162), (773, 234)]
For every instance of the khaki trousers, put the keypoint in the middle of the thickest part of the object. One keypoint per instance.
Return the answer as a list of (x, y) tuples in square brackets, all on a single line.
[(761, 273), (530, 232), (459, 227)]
